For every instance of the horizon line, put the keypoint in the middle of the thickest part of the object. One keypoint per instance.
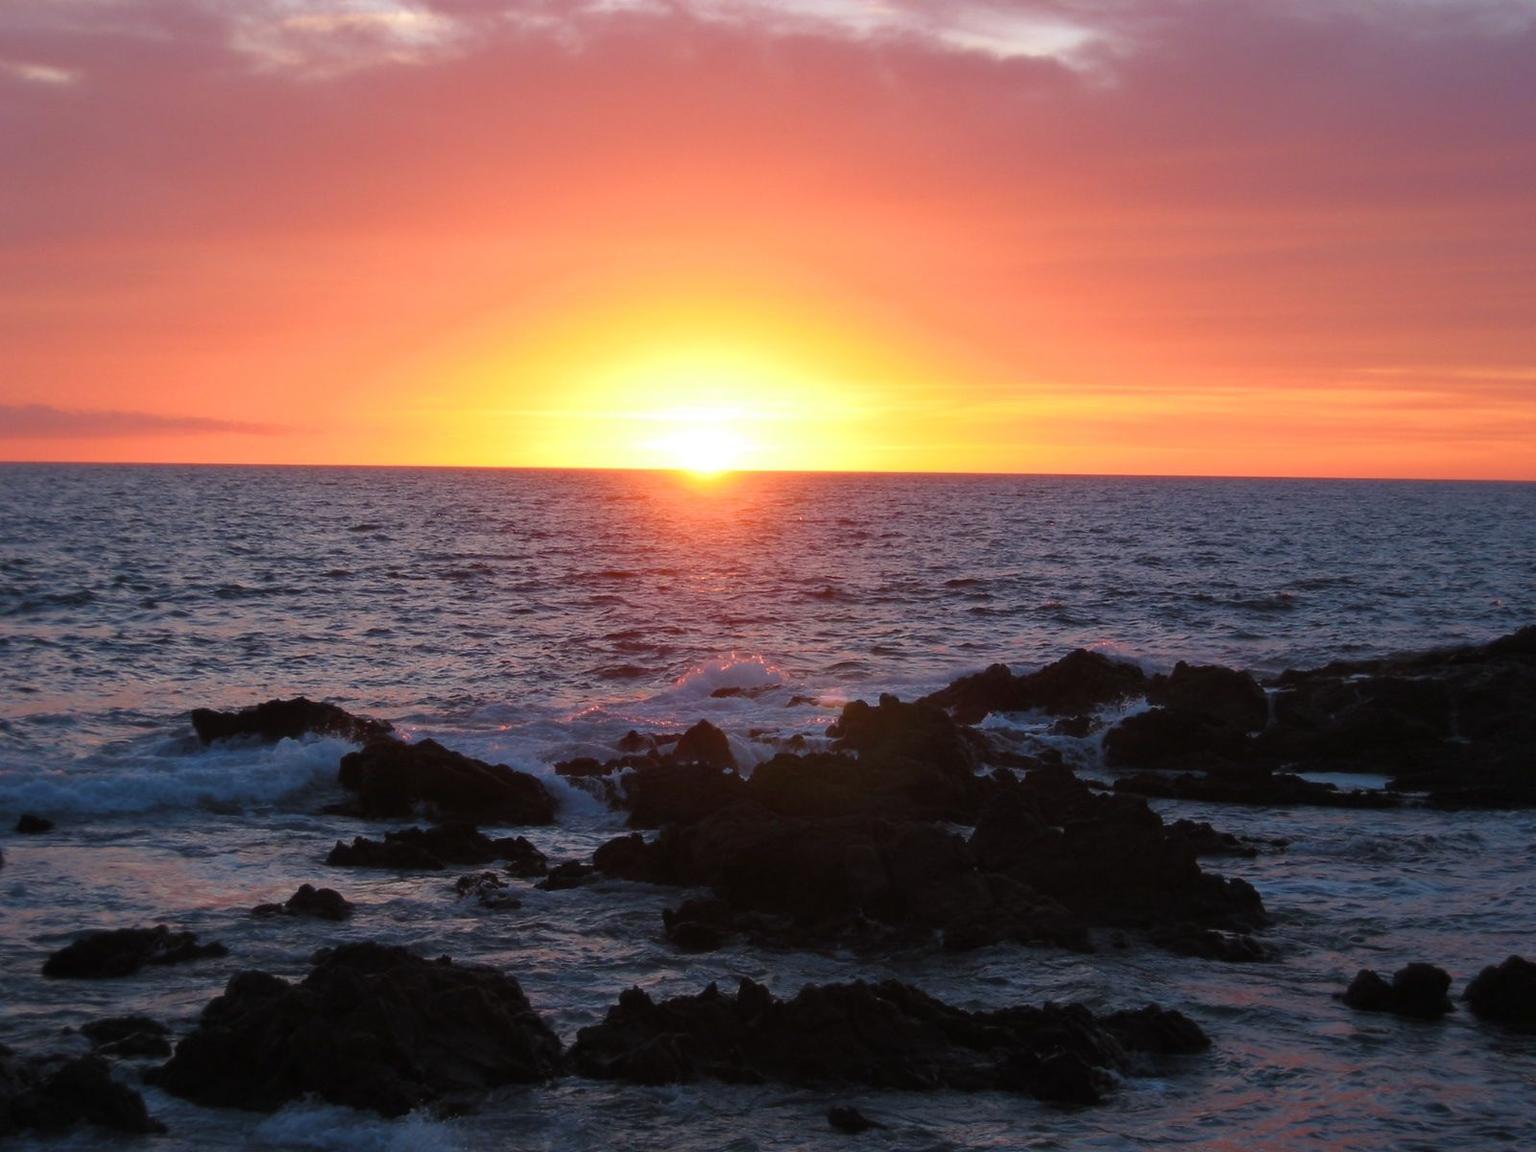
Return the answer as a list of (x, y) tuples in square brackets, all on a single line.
[(775, 471)]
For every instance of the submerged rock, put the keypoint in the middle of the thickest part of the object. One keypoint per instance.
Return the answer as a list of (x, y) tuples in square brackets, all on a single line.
[(370, 1027), (277, 720), (393, 779), (886, 1036), (436, 848), (316, 903), (123, 951), (51, 1094), (1505, 994), (128, 1036), (489, 890), (846, 1118), (30, 825), (1417, 991)]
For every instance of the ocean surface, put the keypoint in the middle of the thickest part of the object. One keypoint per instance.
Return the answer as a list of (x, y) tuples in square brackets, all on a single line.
[(529, 617)]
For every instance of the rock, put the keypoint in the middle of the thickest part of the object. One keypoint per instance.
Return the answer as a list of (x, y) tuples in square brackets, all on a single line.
[(1073, 685), (1225, 697), (699, 925), (887, 1036), (316, 903), (287, 720), (1209, 944), (845, 1118), (677, 793), (489, 890), (1505, 994), (123, 951), (1417, 991), (51, 1094), (30, 825), (393, 779), (571, 874), (437, 848), (704, 744), (582, 767), (128, 1036), (1163, 737), (1203, 840), (1257, 786), (370, 1027)]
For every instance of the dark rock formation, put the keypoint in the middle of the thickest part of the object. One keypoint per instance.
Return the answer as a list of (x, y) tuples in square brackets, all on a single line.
[(287, 720), (1417, 991), (30, 825), (436, 848), (886, 1036), (128, 1036), (1049, 858), (51, 1094), (663, 792), (316, 903), (393, 779), (1223, 696), (1505, 994), (571, 874), (123, 951), (370, 1027), (1077, 683)]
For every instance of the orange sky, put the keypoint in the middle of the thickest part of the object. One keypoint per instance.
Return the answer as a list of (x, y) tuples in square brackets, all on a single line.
[(1160, 236)]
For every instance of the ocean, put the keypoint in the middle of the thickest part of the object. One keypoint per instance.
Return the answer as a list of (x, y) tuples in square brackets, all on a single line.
[(527, 617)]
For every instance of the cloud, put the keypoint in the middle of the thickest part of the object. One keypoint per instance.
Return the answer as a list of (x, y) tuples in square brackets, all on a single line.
[(45, 422)]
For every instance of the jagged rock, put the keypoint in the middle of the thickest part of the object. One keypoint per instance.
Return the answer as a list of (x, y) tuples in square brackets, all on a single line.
[(1505, 994), (393, 779), (123, 951), (437, 848), (51, 1094), (887, 1036), (1075, 684), (1417, 991), (1163, 737), (277, 720), (1209, 944), (315, 903), (661, 792), (370, 1027), (30, 825), (127, 1036)]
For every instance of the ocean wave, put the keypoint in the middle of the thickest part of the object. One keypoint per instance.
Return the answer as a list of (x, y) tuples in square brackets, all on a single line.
[(316, 1127)]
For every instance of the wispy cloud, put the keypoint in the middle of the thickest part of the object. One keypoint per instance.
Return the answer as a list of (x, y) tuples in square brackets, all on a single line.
[(43, 422), (29, 72)]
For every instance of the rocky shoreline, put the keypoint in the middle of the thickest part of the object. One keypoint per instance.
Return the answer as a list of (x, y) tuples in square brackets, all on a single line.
[(912, 826)]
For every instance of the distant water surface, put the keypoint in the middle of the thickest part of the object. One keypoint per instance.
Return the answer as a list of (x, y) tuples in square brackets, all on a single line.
[(528, 617)]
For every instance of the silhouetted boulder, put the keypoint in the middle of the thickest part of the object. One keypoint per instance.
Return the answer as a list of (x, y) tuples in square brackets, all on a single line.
[(1417, 991), (370, 1027), (663, 792), (393, 779), (436, 848), (123, 951), (51, 1094), (30, 825), (1505, 994), (845, 1118), (704, 744), (571, 874), (315, 903), (277, 720), (887, 1036)]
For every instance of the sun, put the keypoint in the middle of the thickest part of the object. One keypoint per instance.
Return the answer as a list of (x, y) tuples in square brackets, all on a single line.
[(702, 443)]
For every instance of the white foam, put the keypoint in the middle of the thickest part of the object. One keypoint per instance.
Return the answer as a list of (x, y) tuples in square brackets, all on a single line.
[(732, 671), (167, 775), (328, 1128)]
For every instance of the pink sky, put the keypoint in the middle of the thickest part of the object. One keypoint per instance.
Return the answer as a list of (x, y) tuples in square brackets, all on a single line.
[(1148, 236)]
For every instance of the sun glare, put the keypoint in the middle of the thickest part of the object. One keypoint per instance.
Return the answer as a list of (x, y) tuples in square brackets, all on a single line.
[(704, 444)]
